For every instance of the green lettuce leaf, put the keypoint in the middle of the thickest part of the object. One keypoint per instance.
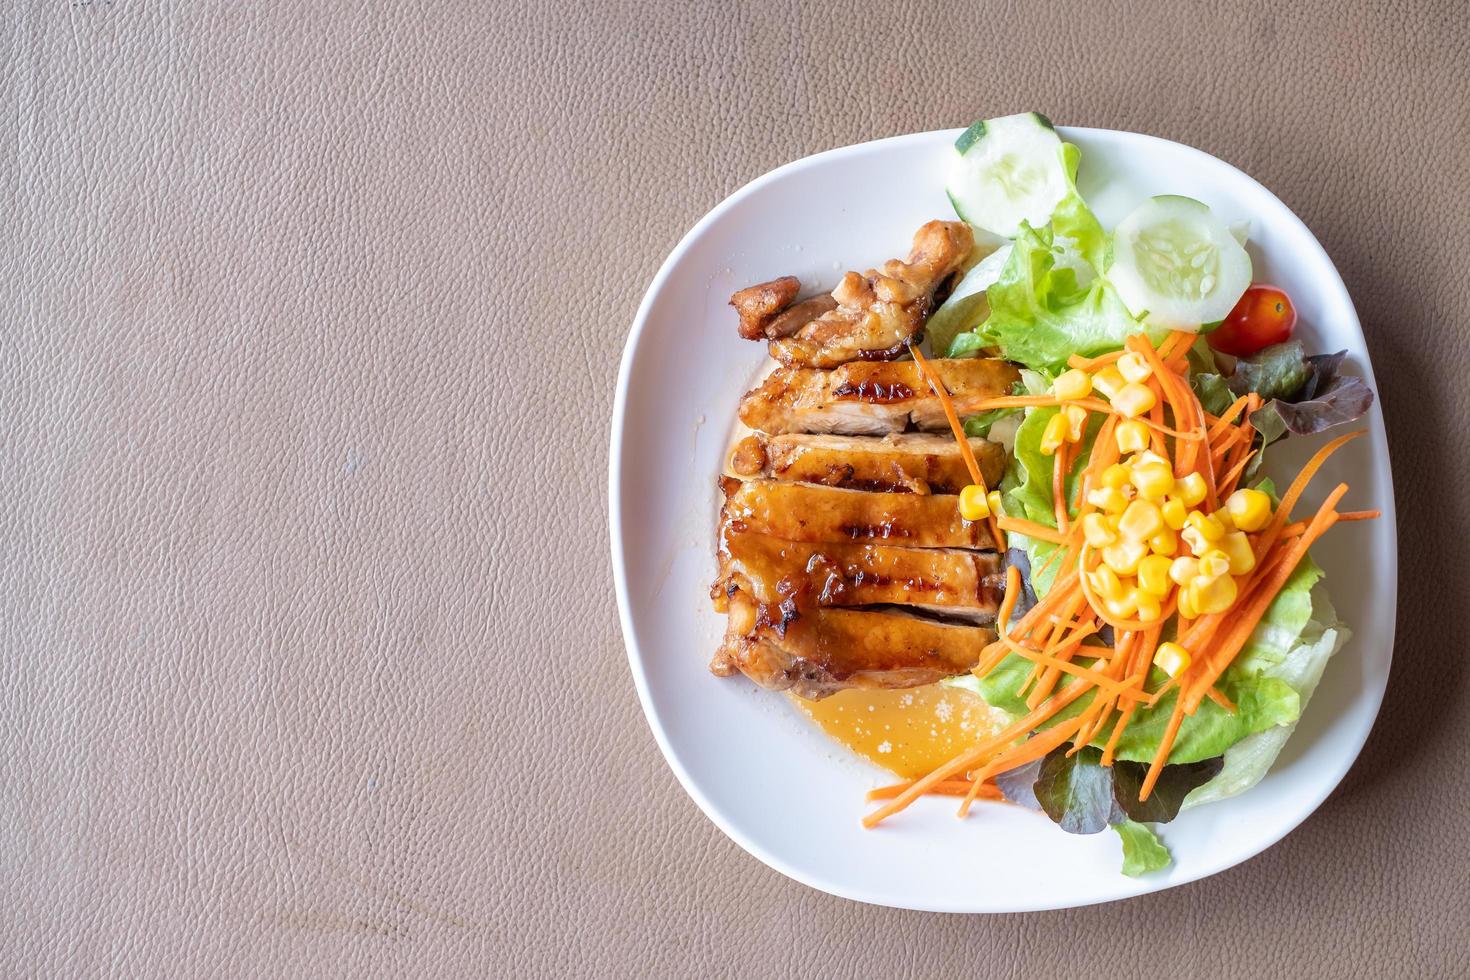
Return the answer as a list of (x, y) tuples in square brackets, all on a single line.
[(1051, 299), (1297, 662), (979, 425), (1142, 850), (1265, 699), (966, 307), (1051, 302)]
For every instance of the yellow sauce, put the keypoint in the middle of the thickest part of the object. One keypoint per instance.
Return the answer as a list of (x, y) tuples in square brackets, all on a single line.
[(910, 732)]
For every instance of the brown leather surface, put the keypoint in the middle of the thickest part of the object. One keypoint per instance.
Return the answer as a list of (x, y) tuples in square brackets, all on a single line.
[(310, 662)]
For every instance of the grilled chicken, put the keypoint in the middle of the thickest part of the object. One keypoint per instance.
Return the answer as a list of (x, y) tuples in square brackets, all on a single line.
[(767, 310), (948, 582), (870, 398), (816, 652), (877, 314), (909, 463), (758, 305), (802, 512)]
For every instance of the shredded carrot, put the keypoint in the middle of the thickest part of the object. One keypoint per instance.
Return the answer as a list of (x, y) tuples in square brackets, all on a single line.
[(1092, 363), (1296, 489), (1346, 516), (1263, 590), (1161, 757), (980, 752), (950, 787), (936, 384), (1227, 485), (1012, 596), (1067, 667), (947, 403), (1031, 529), (1059, 466), (1058, 636)]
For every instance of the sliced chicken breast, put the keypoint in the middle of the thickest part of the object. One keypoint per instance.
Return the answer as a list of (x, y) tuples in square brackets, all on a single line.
[(948, 582), (896, 463), (805, 512), (816, 652), (871, 398)]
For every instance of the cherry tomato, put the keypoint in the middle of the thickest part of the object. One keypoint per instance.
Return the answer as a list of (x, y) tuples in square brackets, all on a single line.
[(1264, 316)]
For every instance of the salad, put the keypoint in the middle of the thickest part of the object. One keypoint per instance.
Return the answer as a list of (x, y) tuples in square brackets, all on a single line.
[(1163, 623)]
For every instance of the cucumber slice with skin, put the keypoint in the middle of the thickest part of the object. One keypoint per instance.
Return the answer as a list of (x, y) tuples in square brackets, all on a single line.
[(1008, 170), (1177, 265)]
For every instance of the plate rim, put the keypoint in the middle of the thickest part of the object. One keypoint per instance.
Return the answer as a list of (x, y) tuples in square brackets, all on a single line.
[(625, 618)]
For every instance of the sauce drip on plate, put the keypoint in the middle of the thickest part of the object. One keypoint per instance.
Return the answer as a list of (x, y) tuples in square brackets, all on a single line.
[(910, 731)]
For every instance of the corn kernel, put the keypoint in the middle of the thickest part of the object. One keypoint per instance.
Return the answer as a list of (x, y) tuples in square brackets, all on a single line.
[(1141, 520), (1183, 569), (1213, 564), (1150, 610), (1153, 575), (1122, 607), (1105, 582), (1108, 381), (1071, 385), (1249, 509), (1174, 513), (1172, 658), (1213, 595), (1076, 417), (973, 505), (1208, 525), (1109, 499), (1147, 456), (1134, 399), (1190, 489), (1115, 476), (1153, 479), (1095, 529), (1165, 543), (1123, 557), (1134, 367), (1132, 436), (993, 500), (1186, 606), (1054, 434), (1237, 547)]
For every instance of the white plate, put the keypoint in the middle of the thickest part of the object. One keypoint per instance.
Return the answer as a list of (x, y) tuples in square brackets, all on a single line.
[(766, 776)]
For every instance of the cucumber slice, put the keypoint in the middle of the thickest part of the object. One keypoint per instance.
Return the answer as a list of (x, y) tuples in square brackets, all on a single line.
[(1176, 264), (1008, 170)]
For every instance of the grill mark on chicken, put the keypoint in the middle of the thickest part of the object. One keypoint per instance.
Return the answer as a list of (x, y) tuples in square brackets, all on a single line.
[(871, 398), (812, 513), (878, 314), (899, 463), (875, 392), (823, 651), (964, 584)]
